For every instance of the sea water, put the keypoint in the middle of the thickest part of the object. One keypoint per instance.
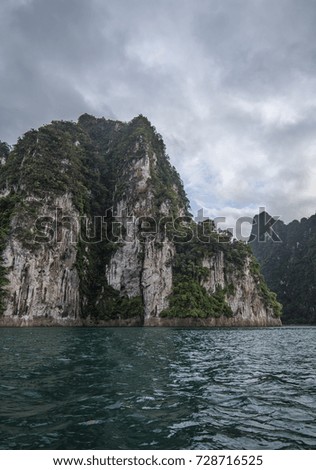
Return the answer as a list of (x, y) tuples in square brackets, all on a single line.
[(158, 388)]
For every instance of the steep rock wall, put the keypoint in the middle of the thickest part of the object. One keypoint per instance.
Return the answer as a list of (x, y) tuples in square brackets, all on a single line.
[(141, 266), (43, 283), (242, 296)]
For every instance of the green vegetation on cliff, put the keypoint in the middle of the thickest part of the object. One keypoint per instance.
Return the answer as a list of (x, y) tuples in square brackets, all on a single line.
[(6, 210), (7, 205), (4, 151), (288, 264), (85, 160), (269, 297), (190, 298), (99, 166)]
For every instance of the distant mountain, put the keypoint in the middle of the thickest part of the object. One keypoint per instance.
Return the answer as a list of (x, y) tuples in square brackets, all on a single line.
[(287, 256), (95, 229)]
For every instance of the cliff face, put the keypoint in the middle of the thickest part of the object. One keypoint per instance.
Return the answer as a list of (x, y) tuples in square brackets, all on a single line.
[(287, 258), (42, 282), (95, 229), (237, 296)]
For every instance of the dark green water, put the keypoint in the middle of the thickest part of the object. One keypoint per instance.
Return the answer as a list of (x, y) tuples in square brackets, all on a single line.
[(72, 388)]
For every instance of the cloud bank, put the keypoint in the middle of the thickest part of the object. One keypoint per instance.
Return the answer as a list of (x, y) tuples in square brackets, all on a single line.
[(231, 86)]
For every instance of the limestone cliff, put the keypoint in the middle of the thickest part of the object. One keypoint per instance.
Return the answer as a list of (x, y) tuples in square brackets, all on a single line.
[(43, 282), (95, 229)]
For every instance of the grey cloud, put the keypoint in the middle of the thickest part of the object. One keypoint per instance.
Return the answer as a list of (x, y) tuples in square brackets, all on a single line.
[(229, 84)]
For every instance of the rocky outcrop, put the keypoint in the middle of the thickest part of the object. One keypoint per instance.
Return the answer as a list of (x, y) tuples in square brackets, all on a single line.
[(133, 272), (142, 265), (248, 306), (243, 299), (43, 281)]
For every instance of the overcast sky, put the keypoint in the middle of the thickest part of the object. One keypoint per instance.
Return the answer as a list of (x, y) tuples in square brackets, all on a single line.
[(230, 85)]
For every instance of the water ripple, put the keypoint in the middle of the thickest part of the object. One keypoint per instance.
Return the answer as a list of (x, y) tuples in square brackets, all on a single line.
[(158, 388)]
